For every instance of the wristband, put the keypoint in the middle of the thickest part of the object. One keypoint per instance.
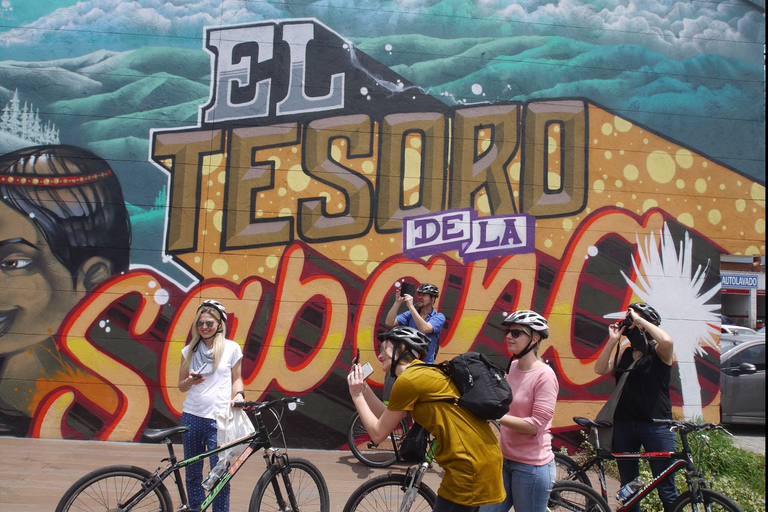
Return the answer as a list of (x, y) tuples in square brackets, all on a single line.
[(240, 393)]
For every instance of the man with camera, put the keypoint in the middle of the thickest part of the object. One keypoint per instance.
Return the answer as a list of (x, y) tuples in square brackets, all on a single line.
[(421, 315), (648, 358)]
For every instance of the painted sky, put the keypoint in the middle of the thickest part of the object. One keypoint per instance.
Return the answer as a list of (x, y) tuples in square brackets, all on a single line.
[(678, 29)]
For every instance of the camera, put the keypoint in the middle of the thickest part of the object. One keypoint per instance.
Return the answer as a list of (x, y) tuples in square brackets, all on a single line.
[(626, 322)]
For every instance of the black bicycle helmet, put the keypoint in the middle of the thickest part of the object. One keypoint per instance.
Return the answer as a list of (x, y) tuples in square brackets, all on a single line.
[(646, 312), (413, 339), (218, 306), (429, 289), (530, 318)]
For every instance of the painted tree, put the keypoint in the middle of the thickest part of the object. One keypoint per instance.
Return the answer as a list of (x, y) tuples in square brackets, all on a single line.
[(665, 280)]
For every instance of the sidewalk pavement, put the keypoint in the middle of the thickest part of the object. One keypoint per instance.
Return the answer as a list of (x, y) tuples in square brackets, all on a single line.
[(35, 473)]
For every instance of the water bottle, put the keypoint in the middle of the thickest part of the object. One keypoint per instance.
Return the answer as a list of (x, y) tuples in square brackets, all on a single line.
[(630, 489), (215, 474)]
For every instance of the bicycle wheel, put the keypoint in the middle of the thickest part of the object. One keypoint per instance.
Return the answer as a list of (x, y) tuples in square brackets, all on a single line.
[(110, 488), (366, 451), (308, 485), (714, 501), (575, 497), (569, 469), (385, 493)]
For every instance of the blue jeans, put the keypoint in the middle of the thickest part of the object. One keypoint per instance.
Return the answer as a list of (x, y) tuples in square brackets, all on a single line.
[(201, 438), (528, 487), (629, 436)]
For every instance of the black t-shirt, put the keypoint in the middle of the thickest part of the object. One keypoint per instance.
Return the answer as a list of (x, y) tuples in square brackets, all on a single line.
[(646, 393)]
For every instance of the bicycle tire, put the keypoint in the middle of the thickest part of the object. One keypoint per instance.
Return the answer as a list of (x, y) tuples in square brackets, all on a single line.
[(385, 494), (308, 485), (568, 469), (371, 454), (105, 488), (714, 501), (568, 495)]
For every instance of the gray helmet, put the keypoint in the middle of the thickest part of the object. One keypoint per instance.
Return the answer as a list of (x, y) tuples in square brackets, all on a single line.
[(530, 318), (647, 312), (218, 306), (429, 289), (413, 339)]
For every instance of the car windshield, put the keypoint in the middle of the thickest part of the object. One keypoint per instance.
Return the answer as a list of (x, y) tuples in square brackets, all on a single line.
[(737, 329)]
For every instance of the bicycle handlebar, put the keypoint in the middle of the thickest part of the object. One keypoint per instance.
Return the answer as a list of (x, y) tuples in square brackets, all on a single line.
[(260, 406), (690, 426)]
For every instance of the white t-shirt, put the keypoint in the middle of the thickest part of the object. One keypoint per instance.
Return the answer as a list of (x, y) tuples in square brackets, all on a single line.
[(212, 396)]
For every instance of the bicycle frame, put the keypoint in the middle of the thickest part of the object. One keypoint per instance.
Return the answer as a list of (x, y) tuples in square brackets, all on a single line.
[(256, 441), (414, 476), (682, 459)]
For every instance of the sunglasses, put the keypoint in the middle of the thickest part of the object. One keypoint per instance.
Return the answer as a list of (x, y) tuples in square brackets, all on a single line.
[(515, 332), (207, 323)]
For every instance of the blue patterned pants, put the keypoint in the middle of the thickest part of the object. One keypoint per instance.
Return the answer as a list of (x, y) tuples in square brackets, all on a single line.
[(201, 438)]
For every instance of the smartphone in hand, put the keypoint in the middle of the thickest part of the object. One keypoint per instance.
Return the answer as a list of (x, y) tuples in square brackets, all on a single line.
[(367, 370), (356, 359), (407, 289)]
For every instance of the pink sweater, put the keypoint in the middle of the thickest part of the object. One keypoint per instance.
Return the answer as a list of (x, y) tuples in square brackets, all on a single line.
[(534, 395)]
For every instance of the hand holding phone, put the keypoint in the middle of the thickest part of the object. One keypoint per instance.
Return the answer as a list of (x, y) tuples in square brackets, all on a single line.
[(407, 289), (195, 376), (367, 370), (356, 359)]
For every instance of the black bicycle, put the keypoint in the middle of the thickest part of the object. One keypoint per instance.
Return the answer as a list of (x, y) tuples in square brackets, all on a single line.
[(407, 492), (288, 484), (698, 497), (375, 455)]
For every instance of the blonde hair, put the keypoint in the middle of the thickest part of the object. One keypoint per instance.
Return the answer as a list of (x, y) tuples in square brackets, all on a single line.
[(218, 339)]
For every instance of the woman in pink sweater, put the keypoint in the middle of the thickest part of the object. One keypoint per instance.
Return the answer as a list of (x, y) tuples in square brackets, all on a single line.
[(529, 466)]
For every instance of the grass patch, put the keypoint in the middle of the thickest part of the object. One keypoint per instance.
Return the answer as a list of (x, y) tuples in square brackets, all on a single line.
[(732, 471)]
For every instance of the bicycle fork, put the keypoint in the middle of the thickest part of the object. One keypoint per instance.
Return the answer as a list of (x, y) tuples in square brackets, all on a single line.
[(284, 470), (411, 487)]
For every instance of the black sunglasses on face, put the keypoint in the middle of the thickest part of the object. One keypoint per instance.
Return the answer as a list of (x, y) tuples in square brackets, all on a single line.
[(207, 323), (515, 332)]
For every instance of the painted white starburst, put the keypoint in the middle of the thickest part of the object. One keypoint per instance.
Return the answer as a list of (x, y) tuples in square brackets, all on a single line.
[(665, 280)]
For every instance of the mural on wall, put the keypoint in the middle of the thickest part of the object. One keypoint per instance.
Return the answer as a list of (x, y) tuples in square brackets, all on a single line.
[(298, 164)]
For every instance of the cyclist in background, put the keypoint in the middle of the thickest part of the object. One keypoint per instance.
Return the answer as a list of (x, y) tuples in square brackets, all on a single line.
[(421, 315), (645, 396), (529, 463), (467, 448)]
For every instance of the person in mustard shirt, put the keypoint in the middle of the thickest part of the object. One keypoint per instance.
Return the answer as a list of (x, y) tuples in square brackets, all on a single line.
[(467, 450)]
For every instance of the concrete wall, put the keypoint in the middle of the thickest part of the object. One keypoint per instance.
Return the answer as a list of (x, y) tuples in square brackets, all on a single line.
[(299, 164)]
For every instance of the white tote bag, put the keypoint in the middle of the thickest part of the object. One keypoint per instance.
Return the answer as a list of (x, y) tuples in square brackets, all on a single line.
[(231, 425)]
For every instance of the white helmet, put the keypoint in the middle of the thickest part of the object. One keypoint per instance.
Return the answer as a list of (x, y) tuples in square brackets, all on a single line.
[(218, 306), (530, 318)]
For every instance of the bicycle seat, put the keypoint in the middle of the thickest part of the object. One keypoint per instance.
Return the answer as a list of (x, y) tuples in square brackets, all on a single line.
[(160, 434), (587, 423)]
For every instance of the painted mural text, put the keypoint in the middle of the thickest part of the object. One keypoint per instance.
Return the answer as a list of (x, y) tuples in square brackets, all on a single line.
[(473, 237), (453, 183), (341, 328), (240, 50)]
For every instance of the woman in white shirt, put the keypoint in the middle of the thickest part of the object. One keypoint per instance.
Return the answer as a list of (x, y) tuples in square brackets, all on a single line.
[(209, 375)]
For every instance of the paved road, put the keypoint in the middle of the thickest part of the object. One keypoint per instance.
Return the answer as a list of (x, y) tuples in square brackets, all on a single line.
[(750, 438)]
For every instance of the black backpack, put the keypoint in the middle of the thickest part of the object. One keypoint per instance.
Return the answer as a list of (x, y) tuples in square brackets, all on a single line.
[(483, 388)]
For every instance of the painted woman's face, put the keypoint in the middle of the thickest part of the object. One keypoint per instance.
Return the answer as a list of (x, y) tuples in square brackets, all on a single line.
[(37, 289)]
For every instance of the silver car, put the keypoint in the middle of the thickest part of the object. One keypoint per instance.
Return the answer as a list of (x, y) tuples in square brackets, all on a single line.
[(742, 383)]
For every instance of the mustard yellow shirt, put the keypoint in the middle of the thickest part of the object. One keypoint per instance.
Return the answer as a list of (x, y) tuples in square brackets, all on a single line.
[(467, 449)]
